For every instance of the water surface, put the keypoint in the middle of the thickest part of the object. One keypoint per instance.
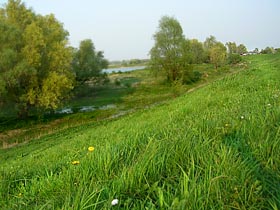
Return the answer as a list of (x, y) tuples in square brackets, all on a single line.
[(123, 69)]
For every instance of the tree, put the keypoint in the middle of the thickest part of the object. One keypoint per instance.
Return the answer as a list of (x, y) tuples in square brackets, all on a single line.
[(197, 51), (218, 54), (233, 55), (216, 51), (168, 54), (34, 59), (268, 50), (88, 63), (241, 49), (208, 44), (231, 47), (256, 51)]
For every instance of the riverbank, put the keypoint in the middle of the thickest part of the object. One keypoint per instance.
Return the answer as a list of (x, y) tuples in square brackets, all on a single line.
[(127, 92)]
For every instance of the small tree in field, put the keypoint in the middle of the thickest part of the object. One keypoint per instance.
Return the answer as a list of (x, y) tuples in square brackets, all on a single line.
[(168, 55)]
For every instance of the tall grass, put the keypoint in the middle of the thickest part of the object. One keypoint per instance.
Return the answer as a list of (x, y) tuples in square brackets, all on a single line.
[(215, 148)]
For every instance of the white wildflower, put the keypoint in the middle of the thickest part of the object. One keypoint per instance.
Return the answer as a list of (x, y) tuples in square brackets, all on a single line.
[(115, 202)]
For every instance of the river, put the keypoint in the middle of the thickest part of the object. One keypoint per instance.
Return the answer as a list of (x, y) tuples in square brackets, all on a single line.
[(123, 69)]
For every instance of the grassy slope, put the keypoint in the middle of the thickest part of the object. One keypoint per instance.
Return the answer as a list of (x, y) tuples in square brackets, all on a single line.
[(138, 90), (215, 148)]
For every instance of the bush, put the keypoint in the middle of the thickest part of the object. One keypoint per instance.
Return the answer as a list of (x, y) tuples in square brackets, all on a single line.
[(196, 76), (191, 76), (127, 85), (234, 58), (117, 82)]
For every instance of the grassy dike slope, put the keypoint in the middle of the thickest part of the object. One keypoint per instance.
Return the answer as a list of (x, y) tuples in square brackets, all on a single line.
[(215, 148)]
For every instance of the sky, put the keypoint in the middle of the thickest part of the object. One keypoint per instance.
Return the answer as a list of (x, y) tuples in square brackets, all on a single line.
[(124, 29)]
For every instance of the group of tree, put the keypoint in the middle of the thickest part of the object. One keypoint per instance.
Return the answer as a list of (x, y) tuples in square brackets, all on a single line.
[(173, 55), (38, 68), (268, 50)]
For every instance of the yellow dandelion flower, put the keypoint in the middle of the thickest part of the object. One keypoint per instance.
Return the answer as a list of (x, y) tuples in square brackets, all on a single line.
[(90, 149), (76, 162)]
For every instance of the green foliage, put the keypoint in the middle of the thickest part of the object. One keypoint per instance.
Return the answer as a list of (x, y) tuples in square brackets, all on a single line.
[(234, 58), (268, 50), (33, 56), (216, 51), (234, 49), (54, 89), (169, 55), (88, 63), (197, 52), (235, 52), (231, 47), (117, 82), (241, 49), (210, 42), (217, 54)]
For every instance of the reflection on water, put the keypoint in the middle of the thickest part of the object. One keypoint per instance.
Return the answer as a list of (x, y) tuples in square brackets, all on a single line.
[(85, 109), (123, 69)]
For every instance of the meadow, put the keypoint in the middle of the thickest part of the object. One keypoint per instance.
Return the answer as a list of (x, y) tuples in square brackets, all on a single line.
[(216, 147)]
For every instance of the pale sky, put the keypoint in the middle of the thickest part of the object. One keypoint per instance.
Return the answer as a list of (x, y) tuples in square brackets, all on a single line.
[(123, 29)]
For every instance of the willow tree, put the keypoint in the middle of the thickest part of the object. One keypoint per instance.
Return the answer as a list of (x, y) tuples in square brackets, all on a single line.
[(35, 59), (168, 54)]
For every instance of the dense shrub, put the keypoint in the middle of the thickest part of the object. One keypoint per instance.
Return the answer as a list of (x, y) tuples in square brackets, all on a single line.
[(234, 58)]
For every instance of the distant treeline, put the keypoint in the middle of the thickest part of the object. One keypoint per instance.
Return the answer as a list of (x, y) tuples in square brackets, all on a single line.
[(173, 55), (131, 62)]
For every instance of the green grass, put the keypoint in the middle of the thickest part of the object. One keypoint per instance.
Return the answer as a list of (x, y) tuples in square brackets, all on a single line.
[(215, 148)]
